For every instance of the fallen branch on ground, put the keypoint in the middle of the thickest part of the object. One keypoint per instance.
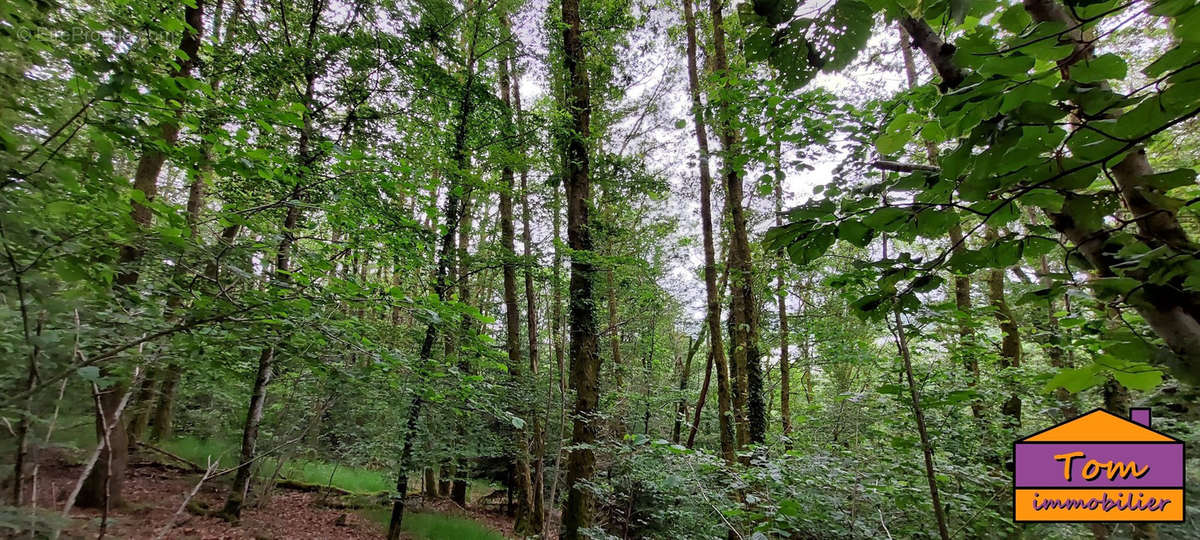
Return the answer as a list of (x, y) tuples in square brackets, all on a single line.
[(162, 533), (190, 463)]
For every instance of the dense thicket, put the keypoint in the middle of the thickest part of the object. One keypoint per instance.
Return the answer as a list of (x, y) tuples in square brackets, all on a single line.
[(660, 269)]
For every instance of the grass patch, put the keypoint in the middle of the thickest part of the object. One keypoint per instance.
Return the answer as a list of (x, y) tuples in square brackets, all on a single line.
[(75, 432), (355, 479), (198, 450), (435, 526)]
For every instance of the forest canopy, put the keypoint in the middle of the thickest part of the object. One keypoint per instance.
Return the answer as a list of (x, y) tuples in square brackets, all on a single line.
[(586, 268)]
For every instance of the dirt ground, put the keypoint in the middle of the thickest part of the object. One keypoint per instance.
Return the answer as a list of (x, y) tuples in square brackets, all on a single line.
[(154, 491)]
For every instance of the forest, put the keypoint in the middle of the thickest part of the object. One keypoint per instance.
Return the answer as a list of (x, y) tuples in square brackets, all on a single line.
[(606, 269)]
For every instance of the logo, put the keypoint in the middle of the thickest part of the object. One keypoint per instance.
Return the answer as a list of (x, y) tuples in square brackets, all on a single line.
[(1099, 467)]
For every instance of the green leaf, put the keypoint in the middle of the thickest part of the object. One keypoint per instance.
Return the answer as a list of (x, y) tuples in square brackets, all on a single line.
[(1076, 380), (1186, 26), (933, 132), (1015, 19), (1171, 179), (89, 373), (70, 271), (1008, 66), (855, 232), (1043, 198), (1144, 380), (1178, 57), (897, 133), (935, 223), (887, 218), (1100, 68), (927, 283), (62, 208)]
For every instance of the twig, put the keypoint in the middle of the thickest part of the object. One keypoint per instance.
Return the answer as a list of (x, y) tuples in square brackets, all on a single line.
[(881, 522), (257, 457), (189, 462), (162, 533), (902, 167)]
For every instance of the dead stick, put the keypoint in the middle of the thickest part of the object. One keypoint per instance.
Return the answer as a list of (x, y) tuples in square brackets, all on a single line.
[(162, 533), (189, 462)]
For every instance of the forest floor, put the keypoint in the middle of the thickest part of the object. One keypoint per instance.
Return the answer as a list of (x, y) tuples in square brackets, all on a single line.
[(154, 492)]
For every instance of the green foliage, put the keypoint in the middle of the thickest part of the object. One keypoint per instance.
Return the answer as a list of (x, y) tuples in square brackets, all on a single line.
[(435, 526), (801, 47), (347, 186)]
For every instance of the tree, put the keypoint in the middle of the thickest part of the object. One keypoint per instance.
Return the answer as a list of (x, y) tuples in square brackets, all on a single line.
[(105, 485), (716, 346), (585, 363), (445, 258), (743, 308), (305, 158)]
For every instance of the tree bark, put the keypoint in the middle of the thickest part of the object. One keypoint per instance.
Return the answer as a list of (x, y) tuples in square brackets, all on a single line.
[(785, 380), (962, 282), (167, 379), (926, 447), (103, 488), (459, 483), (538, 441), (441, 287), (646, 366), (1010, 343), (526, 523), (241, 484), (585, 363), (716, 346), (557, 341), (743, 309), (614, 341), (901, 336), (684, 378), (1059, 359)]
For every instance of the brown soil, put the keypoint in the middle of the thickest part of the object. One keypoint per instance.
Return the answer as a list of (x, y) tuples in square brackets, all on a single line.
[(154, 491)]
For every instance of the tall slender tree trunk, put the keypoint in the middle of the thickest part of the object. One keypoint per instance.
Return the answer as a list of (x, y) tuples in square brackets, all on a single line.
[(1010, 343), (926, 447), (962, 282), (785, 379), (743, 309), (1068, 405), (462, 272), (538, 441), (646, 366), (446, 256), (901, 336), (105, 485), (716, 345), (585, 363), (306, 157), (684, 377), (526, 522), (958, 246), (557, 339), (167, 378)]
